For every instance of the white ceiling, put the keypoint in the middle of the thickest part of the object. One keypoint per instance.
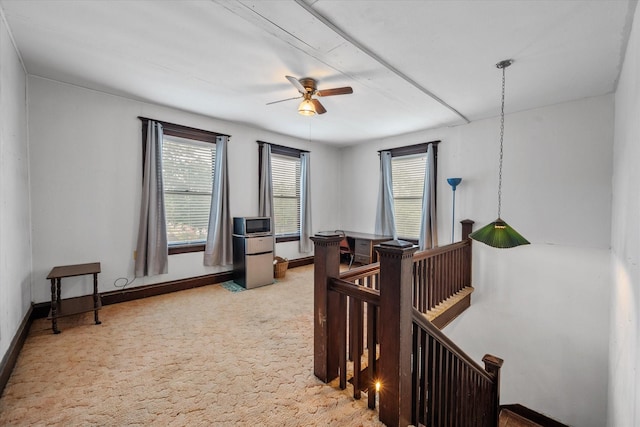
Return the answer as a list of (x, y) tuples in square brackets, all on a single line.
[(227, 59)]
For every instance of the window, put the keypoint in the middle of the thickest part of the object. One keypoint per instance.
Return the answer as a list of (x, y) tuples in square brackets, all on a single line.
[(286, 167), (408, 185), (408, 165), (285, 175), (188, 162), (187, 169)]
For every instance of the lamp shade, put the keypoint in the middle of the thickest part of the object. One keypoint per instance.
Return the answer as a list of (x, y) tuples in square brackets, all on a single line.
[(499, 234), (307, 108), (453, 182)]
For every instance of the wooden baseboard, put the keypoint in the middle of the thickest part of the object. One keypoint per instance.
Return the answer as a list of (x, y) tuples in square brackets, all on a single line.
[(11, 356), (299, 262), (41, 309), (114, 297)]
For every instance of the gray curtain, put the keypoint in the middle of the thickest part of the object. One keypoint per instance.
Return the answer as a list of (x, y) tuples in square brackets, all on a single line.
[(265, 193), (385, 219), (152, 249), (305, 245), (428, 220), (218, 250)]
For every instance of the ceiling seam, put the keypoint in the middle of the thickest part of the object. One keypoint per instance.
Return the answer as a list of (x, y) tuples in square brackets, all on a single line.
[(626, 32), (270, 22), (290, 38), (13, 40), (377, 58)]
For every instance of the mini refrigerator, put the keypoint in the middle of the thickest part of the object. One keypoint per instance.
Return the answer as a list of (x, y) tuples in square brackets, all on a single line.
[(252, 252)]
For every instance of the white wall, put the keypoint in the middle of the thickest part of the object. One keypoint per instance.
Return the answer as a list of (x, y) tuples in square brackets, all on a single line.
[(86, 168), (556, 174), (624, 369), (15, 239), (543, 308)]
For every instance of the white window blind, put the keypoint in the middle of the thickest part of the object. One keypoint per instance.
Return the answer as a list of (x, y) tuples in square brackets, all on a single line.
[(187, 169), (408, 182), (285, 175)]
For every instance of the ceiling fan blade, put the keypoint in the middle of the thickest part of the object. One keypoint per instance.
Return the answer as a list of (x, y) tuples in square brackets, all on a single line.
[(319, 108), (335, 91), (282, 100), (297, 84)]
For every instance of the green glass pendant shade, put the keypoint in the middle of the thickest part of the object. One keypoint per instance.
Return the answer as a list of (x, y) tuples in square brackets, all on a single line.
[(499, 234)]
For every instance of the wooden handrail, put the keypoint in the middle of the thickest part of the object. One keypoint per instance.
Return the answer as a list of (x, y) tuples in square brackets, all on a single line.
[(360, 293), (369, 269), (361, 272), (440, 249), (420, 320)]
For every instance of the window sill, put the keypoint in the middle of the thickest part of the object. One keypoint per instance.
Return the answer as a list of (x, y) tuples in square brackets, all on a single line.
[(183, 249), (287, 238)]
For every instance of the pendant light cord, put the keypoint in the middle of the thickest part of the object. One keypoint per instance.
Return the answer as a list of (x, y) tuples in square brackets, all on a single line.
[(501, 141)]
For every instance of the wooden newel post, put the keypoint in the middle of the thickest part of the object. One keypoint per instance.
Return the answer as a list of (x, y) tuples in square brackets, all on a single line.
[(396, 264), (467, 228), (492, 365), (325, 306)]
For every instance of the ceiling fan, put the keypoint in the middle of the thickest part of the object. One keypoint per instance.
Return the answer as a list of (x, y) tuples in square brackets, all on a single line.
[(308, 88)]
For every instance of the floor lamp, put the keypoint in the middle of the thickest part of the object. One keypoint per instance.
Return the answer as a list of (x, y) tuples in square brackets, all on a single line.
[(453, 182)]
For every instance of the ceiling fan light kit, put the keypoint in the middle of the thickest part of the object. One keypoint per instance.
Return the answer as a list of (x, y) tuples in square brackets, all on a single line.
[(306, 108), (308, 87), (499, 234)]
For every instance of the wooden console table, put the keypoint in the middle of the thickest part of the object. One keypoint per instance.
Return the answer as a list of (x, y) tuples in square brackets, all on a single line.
[(66, 307)]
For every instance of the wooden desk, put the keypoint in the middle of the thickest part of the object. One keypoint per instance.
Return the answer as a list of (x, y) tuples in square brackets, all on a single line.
[(69, 306), (363, 244)]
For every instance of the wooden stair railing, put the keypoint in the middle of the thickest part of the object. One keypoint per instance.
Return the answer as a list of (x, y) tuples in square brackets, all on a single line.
[(439, 299), (448, 294), (442, 282), (361, 323), (441, 279), (450, 388), (347, 310)]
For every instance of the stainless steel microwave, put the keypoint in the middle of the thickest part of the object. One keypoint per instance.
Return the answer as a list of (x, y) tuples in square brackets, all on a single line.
[(247, 226)]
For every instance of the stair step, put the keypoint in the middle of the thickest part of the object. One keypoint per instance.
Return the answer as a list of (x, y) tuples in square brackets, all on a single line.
[(517, 415), (509, 419), (442, 314)]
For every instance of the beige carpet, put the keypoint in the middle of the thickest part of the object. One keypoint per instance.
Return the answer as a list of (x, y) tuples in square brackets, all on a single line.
[(201, 357)]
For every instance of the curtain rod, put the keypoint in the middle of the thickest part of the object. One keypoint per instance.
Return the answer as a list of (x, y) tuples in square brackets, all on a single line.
[(183, 127), (282, 146), (411, 148)]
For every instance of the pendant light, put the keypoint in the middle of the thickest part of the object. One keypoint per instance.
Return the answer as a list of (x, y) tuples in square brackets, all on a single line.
[(499, 234)]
